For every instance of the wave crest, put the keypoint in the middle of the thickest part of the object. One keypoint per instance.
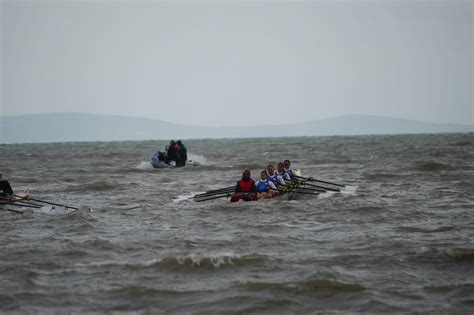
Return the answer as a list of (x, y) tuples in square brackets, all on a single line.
[(210, 261)]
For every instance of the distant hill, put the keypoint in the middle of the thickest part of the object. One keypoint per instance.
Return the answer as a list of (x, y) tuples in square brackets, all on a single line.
[(62, 127)]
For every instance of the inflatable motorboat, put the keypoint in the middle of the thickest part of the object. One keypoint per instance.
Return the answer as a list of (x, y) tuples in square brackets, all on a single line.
[(158, 161)]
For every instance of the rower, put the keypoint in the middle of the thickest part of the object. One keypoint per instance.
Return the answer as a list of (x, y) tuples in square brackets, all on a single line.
[(273, 177), (288, 170), (265, 187), (281, 172)]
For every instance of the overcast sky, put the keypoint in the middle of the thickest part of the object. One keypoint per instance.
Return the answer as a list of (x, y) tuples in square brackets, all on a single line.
[(239, 63)]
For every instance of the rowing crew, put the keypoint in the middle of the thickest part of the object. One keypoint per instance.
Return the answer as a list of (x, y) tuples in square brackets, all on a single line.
[(270, 184)]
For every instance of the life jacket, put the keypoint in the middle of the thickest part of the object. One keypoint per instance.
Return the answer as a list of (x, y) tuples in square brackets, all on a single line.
[(262, 185), (246, 185)]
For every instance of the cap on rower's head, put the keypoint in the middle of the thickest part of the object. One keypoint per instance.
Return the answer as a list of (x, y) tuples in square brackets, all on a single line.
[(179, 142)]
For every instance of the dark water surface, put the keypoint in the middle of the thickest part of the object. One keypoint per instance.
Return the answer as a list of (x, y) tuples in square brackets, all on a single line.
[(402, 242)]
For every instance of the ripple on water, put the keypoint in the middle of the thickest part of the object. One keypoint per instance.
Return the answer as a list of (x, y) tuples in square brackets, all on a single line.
[(301, 286)]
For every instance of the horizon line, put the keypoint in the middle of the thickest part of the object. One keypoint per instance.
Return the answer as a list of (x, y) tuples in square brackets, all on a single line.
[(236, 126)]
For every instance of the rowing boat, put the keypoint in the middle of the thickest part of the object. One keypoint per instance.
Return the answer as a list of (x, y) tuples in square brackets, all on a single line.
[(289, 192)]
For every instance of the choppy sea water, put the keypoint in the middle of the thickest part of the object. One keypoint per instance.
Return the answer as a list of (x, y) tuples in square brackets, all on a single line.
[(402, 242)]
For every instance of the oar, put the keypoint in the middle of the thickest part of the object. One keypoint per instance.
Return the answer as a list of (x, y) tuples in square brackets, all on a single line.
[(18, 202), (322, 187), (296, 191), (20, 205), (214, 197), (312, 189), (47, 202), (299, 184), (214, 193), (320, 181), (220, 189), (18, 211)]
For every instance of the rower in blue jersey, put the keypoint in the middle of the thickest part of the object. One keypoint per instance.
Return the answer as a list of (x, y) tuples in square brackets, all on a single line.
[(273, 177), (265, 188), (288, 170)]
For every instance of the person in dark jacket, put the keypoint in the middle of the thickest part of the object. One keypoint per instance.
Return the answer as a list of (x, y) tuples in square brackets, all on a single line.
[(245, 189), (182, 154), (246, 184), (5, 187), (172, 152)]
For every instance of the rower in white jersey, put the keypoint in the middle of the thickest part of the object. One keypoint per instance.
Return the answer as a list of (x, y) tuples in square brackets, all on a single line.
[(288, 170), (273, 176)]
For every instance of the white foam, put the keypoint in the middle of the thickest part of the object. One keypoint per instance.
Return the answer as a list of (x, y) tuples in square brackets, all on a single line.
[(199, 159), (349, 190), (185, 197), (145, 165), (216, 259), (326, 194)]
